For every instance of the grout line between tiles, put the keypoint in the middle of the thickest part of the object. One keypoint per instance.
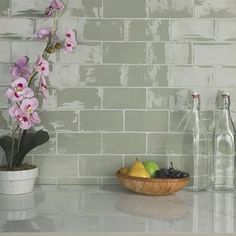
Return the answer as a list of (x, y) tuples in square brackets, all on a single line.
[(124, 119), (102, 9), (102, 151), (78, 166)]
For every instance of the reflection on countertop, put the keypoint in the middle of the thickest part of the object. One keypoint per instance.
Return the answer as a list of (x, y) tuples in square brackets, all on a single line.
[(93, 208)]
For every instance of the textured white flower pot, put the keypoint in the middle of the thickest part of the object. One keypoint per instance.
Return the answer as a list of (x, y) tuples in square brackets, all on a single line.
[(18, 182)]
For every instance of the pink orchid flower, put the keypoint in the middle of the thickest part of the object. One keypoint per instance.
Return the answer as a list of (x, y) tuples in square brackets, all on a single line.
[(43, 33), (12, 110), (43, 88), (42, 66), (21, 68), (26, 115), (54, 5), (70, 41), (19, 90)]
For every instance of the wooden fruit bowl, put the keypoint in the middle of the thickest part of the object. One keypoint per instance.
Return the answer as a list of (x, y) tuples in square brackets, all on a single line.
[(152, 186)]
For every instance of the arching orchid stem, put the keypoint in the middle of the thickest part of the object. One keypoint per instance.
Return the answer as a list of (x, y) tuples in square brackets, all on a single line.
[(19, 139), (31, 78), (13, 144)]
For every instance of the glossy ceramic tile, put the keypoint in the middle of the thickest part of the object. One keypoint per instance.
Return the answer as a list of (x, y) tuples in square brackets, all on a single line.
[(98, 208), (125, 90)]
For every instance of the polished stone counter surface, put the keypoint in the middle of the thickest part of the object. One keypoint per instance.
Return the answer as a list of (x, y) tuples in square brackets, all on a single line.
[(108, 208)]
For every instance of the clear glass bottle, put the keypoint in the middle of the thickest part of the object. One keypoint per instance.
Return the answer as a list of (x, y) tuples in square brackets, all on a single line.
[(196, 146), (223, 177)]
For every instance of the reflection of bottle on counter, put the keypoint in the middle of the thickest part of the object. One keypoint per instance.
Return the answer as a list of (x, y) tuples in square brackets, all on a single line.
[(224, 148), (223, 212), (195, 146)]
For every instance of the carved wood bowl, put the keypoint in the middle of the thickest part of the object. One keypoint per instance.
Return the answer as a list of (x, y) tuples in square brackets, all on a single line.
[(151, 186)]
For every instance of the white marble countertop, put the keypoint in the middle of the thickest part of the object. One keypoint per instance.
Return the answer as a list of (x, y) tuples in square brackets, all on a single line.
[(94, 208)]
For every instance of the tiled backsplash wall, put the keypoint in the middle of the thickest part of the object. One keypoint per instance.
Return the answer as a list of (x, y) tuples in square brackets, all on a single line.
[(124, 91)]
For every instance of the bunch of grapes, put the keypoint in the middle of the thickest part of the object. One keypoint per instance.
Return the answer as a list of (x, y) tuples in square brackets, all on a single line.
[(170, 173)]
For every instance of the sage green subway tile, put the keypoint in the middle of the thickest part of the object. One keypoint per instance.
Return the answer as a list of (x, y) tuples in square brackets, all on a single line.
[(124, 98), (64, 75), (146, 30), (85, 53), (146, 121), (169, 53), (187, 165), (146, 75), (215, 8), (225, 76), (4, 121), (79, 143), (123, 143), (50, 102), (5, 51), (168, 98), (127, 53), (161, 160), (79, 180), (124, 8), (3, 98), (83, 8), (196, 29), (169, 9), (47, 148), (5, 74), (179, 120), (32, 8), (101, 75), (170, 143), (46, 181), (5, 8), (82, 98), (192, 76), (217, 53), (101, 121), (101, 30), (16, 28), (99, 165), (226, 30), (164, 143), (58, 120), (110, 181), (56, 166), (29, 49), (179, 99), (127, 75)]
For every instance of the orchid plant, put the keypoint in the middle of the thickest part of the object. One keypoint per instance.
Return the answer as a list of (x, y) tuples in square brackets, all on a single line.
[(28, 83)]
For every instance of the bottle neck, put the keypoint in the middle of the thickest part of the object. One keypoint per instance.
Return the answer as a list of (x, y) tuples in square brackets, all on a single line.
[(226, 106), (225, 119), (196, 105), (195, 114), (225, 113)]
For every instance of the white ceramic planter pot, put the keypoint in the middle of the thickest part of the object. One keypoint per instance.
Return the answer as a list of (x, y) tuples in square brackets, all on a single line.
[(18, 182)]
